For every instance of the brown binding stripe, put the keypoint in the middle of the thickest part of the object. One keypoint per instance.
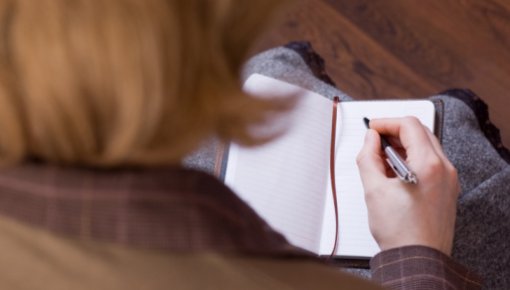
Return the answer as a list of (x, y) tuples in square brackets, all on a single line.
[(336, 100)]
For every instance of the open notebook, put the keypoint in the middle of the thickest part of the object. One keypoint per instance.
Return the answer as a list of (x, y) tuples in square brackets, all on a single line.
[(287, 181)]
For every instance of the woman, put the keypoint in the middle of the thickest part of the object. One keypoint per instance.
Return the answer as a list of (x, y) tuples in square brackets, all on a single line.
[(101, 100)]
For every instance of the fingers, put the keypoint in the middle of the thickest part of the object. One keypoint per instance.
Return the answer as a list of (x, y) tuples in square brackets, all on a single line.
[(410, 132), (369, 160), (448, 165), (435, 144)]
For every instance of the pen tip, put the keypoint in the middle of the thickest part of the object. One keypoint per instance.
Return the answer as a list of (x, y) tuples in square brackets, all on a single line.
[(367, 122)]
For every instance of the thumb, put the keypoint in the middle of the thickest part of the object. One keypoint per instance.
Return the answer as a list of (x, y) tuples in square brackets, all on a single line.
[(369, 160)]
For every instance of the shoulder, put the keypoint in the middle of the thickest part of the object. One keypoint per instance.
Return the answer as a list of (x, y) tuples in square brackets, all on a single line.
[(249, 272)]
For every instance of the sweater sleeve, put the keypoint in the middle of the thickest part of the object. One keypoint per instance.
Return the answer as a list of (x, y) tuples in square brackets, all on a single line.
[(419, 267)]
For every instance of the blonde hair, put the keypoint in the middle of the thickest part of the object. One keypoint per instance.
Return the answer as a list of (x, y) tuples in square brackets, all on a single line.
[(116, 82)]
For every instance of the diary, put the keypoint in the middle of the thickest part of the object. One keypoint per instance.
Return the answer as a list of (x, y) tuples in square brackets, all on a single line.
[(287, 181)]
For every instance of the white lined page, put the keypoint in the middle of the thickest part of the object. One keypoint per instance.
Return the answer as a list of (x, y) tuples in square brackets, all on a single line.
[(355, 239), (284, 181)]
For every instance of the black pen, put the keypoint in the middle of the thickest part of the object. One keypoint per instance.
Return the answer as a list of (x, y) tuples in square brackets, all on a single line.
[(395, 160)]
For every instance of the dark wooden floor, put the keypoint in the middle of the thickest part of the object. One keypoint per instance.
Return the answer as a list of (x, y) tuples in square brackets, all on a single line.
[(408, 48)]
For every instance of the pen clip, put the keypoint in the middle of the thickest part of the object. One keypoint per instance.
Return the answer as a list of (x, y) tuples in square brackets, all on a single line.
[(395, 169), (408, 177)]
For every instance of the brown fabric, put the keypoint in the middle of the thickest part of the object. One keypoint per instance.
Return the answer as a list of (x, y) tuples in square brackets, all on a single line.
[(72, 228), (417, 267), (168, 208), (168, 228), (34, 259)]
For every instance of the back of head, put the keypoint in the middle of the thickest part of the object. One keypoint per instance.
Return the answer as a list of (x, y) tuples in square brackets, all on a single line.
[(118, 82)]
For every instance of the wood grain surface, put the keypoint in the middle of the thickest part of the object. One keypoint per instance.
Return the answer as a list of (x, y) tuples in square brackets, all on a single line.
[(407, 48)]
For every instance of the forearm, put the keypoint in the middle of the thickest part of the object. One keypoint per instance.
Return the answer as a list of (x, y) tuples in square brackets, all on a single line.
[(418, 267)]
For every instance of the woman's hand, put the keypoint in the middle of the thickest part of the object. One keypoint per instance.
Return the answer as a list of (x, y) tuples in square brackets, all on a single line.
[(403, 214)]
